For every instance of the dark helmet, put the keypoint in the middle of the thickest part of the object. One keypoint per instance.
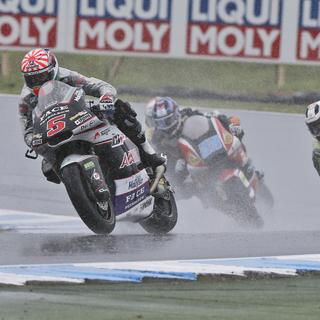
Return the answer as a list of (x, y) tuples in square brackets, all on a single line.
[(39, 66), (313, 119), (163, 113)]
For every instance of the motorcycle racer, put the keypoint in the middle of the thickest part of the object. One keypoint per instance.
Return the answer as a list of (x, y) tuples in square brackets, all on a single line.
[(166, 121), (312, 119), (41, 65)]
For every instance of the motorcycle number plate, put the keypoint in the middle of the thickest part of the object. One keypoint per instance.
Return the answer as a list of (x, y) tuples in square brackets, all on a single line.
[(209, 146)]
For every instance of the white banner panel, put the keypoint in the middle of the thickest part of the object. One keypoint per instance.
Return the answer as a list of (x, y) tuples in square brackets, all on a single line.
[(308, 34), (238, 28), (27, 23), (275, 31), (126, 26)]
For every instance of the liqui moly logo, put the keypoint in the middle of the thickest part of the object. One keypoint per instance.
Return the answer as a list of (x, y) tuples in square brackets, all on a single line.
[(308, 47), (28, 23), (235, 28), (123, 25)]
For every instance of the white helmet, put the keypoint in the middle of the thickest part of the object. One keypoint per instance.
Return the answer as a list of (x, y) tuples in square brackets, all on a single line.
[(163, 113), (313, 118)]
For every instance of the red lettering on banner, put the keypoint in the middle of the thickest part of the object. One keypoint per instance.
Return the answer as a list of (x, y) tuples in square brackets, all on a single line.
[(309, 45), (20, 30), (233, 41), (122, 35)]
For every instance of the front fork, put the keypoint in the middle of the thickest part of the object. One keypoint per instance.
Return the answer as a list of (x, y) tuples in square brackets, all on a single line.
[(160, 187), (92, 172)]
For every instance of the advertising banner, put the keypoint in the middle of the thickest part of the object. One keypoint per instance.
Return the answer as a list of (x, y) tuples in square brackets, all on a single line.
[(269, 31), (308, 48), (28, 23), (123, 25), (235, 28)]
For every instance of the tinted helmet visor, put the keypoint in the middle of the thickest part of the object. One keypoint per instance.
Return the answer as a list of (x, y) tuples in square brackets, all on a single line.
[(167, 122), (37, 80)]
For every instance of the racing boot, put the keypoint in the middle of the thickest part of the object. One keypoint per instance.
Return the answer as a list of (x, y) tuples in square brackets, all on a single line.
[(260, 174), (126, 120), (150, 158), (248, 170)]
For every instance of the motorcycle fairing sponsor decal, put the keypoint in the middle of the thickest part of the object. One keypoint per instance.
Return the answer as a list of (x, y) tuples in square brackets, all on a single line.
[(88, 125), (37, 142), (126, 185), (78, 95), (128, 200), (209, 146), (136, 182), (130, 191), (138, 212), (146, 204), (118, 140), (99, 136), (56, 125), (227, 138), (89, 165), (95, 175), (77, 115), (53, 112), (129, 158), (83, 119)]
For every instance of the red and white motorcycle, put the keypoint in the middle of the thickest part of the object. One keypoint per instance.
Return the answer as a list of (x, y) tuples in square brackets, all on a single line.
[(215, 159)]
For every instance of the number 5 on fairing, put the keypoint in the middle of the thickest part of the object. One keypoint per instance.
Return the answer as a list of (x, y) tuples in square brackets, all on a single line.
[(54, 125)]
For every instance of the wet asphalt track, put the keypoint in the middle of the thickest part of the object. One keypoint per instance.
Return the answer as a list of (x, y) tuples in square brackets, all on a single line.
[(279, 144)]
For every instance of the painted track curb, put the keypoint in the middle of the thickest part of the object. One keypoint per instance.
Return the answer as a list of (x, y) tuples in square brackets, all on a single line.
[(174, 270)]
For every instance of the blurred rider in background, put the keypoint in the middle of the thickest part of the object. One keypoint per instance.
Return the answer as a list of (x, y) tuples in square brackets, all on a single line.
[(41, 65), (313, 123), (165, 124)]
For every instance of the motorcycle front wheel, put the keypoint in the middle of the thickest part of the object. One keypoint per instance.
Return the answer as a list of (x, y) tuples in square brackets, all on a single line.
[(100, 218), (164, 216), (239, 205)]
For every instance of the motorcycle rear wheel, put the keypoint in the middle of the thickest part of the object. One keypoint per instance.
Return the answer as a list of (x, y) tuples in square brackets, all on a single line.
[(97, 219), (239, 205), (264, 195)]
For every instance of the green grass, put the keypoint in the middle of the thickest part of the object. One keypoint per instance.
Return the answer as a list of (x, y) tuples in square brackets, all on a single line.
[(223, 104), (280, 299), (221, 77)]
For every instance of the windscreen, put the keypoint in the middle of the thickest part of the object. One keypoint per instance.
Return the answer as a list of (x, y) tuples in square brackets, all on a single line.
[(54, 93)]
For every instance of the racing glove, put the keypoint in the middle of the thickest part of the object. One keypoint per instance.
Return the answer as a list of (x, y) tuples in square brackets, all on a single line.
[(106, 105), (236, 130), (123, 111)]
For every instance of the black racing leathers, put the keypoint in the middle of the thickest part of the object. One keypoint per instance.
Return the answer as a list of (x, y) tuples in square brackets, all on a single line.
[(28, 100), (124, 116)]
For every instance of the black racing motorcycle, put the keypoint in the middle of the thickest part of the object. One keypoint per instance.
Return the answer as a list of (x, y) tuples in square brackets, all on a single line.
[(99, 166)]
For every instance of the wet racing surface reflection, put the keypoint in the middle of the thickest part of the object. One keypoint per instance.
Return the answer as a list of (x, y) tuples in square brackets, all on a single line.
[(272, 139)]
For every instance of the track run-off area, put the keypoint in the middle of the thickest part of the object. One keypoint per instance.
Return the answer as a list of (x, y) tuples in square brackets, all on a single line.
[(43, 239)]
